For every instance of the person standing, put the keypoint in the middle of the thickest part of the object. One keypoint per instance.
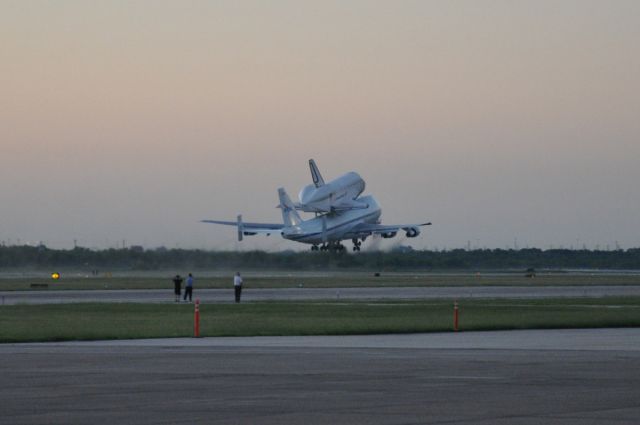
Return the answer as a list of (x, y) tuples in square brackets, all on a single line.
[(237, 286), (188, 289), (177, 287)]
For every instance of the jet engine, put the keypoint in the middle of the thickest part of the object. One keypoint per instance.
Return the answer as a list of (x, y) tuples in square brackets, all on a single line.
[(412, 232), (388, 235)]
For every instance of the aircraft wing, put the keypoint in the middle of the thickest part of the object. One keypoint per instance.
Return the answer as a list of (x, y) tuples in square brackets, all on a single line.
[(342, 206), (388, 229), (350, 205)]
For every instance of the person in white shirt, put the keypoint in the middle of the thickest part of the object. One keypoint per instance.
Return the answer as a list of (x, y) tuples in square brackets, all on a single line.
[(237, 285)]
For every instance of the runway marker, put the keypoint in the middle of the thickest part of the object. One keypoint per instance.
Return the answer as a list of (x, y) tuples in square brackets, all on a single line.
[(196, 319), (455, 316)]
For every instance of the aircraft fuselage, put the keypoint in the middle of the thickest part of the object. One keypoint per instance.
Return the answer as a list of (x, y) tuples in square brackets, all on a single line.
[(334, 227)]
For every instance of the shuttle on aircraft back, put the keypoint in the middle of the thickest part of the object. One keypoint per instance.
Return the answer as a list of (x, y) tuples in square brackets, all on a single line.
[(339, 194), (340, 214)]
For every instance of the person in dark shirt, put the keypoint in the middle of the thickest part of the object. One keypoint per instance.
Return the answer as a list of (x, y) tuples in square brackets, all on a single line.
[(177, 282)]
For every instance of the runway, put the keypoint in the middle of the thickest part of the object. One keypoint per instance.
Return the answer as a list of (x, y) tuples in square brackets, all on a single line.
[(514, 377), (301, 294)]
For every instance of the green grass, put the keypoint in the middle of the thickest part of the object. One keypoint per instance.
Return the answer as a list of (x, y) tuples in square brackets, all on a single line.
[(58, 322), (290, 280)]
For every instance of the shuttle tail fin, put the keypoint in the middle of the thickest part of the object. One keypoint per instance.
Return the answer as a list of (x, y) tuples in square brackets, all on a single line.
[(315, 174), (290, 216)]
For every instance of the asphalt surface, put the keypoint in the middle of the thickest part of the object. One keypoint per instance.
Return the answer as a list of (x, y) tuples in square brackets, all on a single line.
[(299, 294), (515, 377)]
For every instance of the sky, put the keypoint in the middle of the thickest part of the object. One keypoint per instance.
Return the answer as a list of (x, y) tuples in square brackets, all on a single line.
[(505, 123)]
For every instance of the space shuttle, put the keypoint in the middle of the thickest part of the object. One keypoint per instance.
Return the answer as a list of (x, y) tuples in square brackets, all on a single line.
[(340, 194)]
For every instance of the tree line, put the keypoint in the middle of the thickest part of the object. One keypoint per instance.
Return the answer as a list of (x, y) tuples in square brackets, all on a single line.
[(12, 257)]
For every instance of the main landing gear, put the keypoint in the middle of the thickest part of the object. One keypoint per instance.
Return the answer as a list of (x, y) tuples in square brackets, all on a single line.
[(334, 247), (337, 246)]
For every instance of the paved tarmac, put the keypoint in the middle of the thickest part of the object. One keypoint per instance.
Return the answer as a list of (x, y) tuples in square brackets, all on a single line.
[(512, 377), (299, 294)]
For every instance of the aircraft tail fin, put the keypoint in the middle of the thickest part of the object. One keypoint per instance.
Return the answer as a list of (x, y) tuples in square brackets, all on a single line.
[(240, 227), (315, 174), (290, 216)]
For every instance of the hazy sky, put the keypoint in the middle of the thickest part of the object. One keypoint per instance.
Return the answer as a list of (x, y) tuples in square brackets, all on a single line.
[(496, 120)]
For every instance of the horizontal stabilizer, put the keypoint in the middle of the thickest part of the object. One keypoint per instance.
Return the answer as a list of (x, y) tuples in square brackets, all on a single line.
[(248, 229)]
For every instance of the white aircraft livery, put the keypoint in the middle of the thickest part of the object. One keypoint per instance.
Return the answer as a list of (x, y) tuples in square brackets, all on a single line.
[(334, 222)]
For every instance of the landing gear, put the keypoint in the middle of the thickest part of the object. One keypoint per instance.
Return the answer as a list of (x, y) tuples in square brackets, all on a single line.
[(356, 244), (334, 247)]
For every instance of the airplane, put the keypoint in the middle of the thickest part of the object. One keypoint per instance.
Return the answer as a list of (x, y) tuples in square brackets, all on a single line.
[(325, 231), (338, 195)]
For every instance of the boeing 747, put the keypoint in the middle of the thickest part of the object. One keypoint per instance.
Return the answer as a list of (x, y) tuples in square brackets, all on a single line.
[(327, 230)]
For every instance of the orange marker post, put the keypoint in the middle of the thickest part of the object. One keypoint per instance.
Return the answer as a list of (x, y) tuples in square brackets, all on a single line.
[(196, 320), (455, 316)]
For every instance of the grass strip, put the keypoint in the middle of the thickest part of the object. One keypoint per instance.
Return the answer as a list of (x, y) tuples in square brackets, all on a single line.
[(92, 321), (70, 282)]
